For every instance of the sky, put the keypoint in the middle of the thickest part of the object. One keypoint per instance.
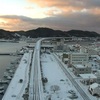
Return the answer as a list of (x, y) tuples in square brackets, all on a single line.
[(63, 15)]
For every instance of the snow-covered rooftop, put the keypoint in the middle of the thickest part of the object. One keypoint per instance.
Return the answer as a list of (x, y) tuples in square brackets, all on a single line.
[(88, 76), (94, 85)]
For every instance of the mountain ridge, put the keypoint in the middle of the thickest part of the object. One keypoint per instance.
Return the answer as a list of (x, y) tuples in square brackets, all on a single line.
[(47, 32)]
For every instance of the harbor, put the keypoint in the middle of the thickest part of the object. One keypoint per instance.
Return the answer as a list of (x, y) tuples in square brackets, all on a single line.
[(10, 56)]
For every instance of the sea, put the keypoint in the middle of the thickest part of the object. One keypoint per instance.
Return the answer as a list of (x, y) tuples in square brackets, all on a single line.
[(9, 47)]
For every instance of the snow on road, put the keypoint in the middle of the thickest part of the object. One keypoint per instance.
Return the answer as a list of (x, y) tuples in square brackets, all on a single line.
[(58, 84)]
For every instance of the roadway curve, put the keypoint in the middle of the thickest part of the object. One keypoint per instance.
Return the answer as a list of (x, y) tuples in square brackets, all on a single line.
[(35, 85)]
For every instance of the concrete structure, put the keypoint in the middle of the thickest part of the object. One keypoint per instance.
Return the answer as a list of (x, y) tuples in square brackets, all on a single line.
[(78, 58), (80, 69), (60, 45), (66, 48)]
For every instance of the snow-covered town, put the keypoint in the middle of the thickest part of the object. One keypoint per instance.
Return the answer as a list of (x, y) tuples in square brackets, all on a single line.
[(55, 69)]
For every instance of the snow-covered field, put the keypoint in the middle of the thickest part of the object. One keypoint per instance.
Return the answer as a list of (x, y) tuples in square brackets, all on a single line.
[(58, 85)]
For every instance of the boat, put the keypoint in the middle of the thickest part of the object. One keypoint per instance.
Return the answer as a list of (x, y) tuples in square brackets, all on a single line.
[(4, 81), (1, 91), (1, 87), (8, 69), (9, 77)]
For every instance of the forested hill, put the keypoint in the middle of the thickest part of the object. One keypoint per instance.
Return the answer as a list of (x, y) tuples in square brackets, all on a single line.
[(46, 32), (8, 35)]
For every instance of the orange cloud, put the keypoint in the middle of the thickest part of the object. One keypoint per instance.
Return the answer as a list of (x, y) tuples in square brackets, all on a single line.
[(95, 11), (7, 23), (68, 6), (77, 20), (11, 24), (15, 23), (45, 3), (61, 7)]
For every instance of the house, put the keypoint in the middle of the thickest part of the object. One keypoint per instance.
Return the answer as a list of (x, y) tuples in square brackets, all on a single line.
[(94, 89), (88, 79)]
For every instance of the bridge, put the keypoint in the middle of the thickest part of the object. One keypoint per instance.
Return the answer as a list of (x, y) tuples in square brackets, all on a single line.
[(35, 84)]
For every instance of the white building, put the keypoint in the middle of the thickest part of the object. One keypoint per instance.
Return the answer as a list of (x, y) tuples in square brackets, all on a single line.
[(78, 58), (81, 69)]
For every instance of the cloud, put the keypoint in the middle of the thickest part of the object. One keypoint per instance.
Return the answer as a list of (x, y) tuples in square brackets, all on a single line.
[(13, 22), (56, 14), (61, 3), (68, 6), (80, 21)]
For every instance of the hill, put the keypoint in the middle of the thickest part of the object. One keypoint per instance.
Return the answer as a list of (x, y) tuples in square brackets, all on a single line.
[(80, 33), (8, 35), (46, 32)]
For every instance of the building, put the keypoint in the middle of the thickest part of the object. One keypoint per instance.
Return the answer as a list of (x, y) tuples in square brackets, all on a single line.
[(98, 76), (60, 46), (65, 58), (94, 89), (91, 51), (81, 69), (88, 79), (78, 58), (83, 49)]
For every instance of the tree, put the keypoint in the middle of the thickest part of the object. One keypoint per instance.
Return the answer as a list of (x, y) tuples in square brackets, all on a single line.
[(55, 88)]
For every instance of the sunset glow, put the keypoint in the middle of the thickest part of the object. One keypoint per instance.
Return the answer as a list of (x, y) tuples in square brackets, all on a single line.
[(56, 14)]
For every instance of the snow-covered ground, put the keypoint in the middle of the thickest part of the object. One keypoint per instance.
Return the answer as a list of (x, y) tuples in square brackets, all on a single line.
[(58, 85), (17, 88)]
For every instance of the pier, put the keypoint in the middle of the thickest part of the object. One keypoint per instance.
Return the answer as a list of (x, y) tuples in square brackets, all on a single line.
[(11, 54)]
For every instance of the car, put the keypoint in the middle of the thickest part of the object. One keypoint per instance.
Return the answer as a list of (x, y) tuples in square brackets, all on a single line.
[(73, 96), (71, 92), (13, 95), (1, 91)]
